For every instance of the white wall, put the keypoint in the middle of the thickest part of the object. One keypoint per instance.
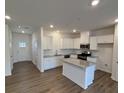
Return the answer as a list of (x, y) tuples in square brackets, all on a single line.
[(8, 49), (105, 51), (115, 55), (104, 62), (37, 49), (103, 31), (21, 54)]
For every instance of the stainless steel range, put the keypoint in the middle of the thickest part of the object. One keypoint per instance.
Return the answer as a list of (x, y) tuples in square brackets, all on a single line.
[(84, 55)]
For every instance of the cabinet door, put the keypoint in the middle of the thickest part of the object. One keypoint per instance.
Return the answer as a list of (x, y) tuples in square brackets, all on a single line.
[(61, 44), (49, 43), (77, 43), (67, 43), (70, 43), (64, 43), (84, 37), (45, 43), (105, 39), (93, 43)]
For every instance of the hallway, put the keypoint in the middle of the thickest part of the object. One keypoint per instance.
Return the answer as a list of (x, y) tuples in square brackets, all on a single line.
[(27, 79)]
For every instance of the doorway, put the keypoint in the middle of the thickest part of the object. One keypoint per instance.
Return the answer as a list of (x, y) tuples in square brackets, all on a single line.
[(21, 47)]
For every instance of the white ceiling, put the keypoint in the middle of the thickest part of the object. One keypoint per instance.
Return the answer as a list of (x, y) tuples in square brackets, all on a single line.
[(65, 15)]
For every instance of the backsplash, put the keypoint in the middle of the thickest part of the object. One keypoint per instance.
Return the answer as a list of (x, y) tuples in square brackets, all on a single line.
[(63, 51)]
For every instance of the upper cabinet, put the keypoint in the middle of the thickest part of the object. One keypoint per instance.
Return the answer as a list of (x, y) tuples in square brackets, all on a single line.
[(84, 37), (105, 39), (48, 42), (76, 43), (93, 43), (67, 43)]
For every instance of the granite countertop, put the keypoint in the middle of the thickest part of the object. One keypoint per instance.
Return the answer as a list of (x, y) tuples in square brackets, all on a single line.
[(92, 56), (45, 56), (78, 62)]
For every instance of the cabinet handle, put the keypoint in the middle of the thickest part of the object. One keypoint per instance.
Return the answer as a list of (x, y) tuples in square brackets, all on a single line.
[(116, 61)]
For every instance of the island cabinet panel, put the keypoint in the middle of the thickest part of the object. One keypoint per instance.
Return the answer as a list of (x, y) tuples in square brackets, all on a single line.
[(81, 76), (89, 75)]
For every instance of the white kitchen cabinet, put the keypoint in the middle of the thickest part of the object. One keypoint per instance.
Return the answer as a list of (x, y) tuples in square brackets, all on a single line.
[(115, 55), (48, 42), (81, 76), (67, 43), (71, 43), (84, 37), (76, 43), (52, 62), (105, 39), (45, 43), (93, 43)]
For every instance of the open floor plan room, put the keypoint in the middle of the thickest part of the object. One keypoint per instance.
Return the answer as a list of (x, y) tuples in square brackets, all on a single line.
[(61, 46)]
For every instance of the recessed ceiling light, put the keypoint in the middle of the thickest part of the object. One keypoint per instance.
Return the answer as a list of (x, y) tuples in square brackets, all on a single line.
[(116, 20), (23, 31), (95, 2), (51, 26), (74, 30), (7, 17)]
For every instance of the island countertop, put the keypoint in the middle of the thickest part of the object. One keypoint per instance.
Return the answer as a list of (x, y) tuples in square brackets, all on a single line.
[(78, 62)]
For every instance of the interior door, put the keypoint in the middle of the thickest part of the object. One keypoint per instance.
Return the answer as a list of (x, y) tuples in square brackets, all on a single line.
[(21, 47)]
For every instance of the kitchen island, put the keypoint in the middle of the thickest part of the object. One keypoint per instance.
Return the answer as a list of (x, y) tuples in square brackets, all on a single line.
[(79, 71)]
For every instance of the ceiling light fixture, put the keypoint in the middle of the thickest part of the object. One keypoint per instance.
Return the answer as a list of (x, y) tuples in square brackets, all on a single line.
[(23, 31), (116, 20), (95, 2), (74, 30), (51, 26), (7, 17)]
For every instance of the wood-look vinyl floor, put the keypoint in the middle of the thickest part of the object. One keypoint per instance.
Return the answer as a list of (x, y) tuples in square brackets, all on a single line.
[(27, 79)]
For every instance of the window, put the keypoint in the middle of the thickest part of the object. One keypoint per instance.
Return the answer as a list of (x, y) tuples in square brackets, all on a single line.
[(22, 44)]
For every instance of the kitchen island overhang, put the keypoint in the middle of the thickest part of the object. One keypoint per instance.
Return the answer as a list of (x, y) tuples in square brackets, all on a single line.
[(79, 71)]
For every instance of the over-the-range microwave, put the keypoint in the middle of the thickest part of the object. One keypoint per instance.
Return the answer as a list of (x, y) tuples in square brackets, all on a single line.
[(85, 46)]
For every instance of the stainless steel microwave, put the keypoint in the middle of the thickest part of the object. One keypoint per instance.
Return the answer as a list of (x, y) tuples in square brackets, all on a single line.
[(85, 46)]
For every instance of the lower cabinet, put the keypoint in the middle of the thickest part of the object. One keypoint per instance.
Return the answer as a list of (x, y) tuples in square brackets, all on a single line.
[(52, 62)]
